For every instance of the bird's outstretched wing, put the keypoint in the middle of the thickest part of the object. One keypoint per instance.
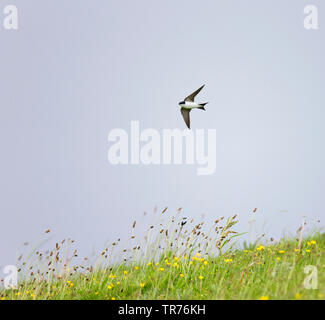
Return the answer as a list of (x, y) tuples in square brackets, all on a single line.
[(191, 97), (186, 116)]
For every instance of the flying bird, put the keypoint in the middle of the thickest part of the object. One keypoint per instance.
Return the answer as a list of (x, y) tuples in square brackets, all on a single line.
[(188, 104)]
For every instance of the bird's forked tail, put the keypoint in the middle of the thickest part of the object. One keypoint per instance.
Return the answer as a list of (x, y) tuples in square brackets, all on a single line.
[(202, 106)]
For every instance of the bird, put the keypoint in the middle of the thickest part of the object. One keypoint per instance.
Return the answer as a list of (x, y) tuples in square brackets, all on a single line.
[(188, 104)]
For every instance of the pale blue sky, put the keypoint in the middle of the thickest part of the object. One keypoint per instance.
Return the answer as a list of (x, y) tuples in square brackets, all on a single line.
[(77, 69)]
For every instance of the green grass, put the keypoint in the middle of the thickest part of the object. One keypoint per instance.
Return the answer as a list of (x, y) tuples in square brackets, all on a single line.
[(185, 271)]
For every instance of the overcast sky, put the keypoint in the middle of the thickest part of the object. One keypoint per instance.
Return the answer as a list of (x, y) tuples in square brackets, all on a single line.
[(74, 70)]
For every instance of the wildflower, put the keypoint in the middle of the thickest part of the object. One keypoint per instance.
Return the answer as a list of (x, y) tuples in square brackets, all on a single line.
[(201, 277), (136, 268), (278, 258), (191, 262), (298, 296), (264, 298), (246, 251), (18, 294), (296, 250), (112, 276), (118, 282), (176, 258), (259, 248), (109, 287), (205, 263), (32, 295), (312, 242), (185, 257), (96, 293), (228, 260), (157, 263), (2, 298), (125, 272), (175, 264), (181, 275), (308, 243), (149, 263), (320, 295), (197, 254), (161, 269), (113, 298), (142, 284), (282, 251), (307, 250)]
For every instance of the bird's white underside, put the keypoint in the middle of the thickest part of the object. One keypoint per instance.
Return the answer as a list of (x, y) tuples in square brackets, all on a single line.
[(190, 105)]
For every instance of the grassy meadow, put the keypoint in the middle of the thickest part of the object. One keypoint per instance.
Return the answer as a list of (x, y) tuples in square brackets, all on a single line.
[(178, 260)]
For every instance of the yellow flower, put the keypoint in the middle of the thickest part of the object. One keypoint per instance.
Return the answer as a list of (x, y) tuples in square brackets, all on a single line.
[(136, 268), (313, 242), (201, 277), (18, 294), (264, 298), (181, 275), (307, 250), (2, 298), (281, 251), (149, 263), (125, 272), (175, 264), (296, 250), (161, 269), (298, 296), (113, 298), (109, 287), (246, 251), (320, 295), (205, 262), (308, 243), (185, 257), (278, 258), (96, 293), (118, 282), (228, 260), (157, 263), (142, 284), (32, 295), (197, 254), (176, 258), (260, 248), (112, 276), (191, 262)]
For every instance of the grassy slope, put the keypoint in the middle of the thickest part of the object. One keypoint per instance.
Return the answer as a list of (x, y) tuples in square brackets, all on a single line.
[(272, 272)]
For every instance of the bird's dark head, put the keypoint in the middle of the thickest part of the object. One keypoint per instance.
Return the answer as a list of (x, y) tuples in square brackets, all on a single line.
[(182, 103)]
